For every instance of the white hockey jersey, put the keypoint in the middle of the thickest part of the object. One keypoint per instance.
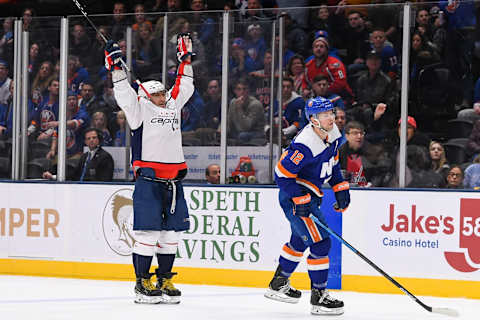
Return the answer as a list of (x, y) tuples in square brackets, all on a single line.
[(156, 136)]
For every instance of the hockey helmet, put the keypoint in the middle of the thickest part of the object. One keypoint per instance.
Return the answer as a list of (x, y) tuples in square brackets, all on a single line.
[(152, 86), (317, 105)]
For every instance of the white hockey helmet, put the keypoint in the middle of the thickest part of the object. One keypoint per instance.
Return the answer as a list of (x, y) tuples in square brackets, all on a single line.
[(152, 86)]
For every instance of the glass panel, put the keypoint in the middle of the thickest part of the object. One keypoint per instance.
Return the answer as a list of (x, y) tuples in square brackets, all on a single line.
[(443, 70), (43, 107), (250, 92)]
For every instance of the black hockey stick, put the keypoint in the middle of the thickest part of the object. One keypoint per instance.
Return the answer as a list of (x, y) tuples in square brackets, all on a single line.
[(445, 311), (79, 6)]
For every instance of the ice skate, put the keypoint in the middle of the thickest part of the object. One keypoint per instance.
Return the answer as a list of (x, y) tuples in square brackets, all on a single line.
[(279, 289), (323, 304), (165, 285), (145, 292)]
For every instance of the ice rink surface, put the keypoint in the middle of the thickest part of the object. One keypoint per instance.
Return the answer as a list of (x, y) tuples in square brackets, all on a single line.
[(56, 298)]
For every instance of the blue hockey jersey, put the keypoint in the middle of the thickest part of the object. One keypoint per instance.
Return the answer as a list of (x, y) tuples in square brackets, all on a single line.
[(309, 162)]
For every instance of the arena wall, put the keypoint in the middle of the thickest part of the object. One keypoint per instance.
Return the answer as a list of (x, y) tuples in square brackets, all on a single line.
[(428, 241)]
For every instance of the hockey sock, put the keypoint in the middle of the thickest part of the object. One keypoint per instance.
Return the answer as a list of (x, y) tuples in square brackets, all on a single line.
[(291, 255), (142, 265), (165, 262), (318, 263)]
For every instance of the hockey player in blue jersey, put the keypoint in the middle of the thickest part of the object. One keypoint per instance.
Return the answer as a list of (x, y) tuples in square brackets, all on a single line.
[(311, 160)]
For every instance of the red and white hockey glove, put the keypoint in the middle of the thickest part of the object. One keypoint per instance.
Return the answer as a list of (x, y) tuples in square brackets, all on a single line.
[(113, 56), (184, 46)]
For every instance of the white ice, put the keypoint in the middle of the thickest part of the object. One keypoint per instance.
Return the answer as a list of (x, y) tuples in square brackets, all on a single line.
[(55, 298)]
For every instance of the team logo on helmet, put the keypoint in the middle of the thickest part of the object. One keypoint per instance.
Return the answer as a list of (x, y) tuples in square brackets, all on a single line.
[(117, 222)]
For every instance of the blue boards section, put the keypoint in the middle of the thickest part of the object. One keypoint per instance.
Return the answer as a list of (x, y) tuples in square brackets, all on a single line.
[(334, 221)]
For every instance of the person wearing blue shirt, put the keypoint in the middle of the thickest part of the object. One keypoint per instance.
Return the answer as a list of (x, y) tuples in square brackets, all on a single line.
[(311, 160)]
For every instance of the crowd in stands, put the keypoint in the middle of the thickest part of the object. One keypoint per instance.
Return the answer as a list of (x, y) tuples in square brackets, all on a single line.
[(350, 55)]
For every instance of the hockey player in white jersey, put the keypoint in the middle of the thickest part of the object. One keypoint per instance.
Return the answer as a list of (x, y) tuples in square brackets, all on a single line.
[(310, 161), (160, 210)]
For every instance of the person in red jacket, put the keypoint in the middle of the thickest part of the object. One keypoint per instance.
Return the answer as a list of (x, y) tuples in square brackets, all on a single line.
[(326, 65)]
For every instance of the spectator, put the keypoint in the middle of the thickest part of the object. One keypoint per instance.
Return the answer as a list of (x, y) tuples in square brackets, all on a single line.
[(472, 175), (357, 39), (89, 101), (331, 23), (340, 119), (352, 154), (96, 62), (148, 53), (421, 54), (33, 59), (76, 74), (99, 121), (320, 88), (240, 63), (246, 120), (387, 53), (212, 174), (212, 113), (43, 77), (172, 6), (95, 165), (294, 35), (182, 25), (139, 10), (470, 114), (120, 135), (415, 138), (293, 106), (192, 112), (120, 21), (385, 17), (77, 120), (45, 120), (323, 64), (373, 87), (6, 116), (4, 82), (80, 43), (296, 71), (423, 24), (261, 80), (439, 160), (6, 37), (455, 178), (473, 144), (255, 45), (202, 24)]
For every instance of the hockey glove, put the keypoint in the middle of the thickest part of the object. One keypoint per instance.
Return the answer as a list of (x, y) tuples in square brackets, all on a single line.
[(342, 195), (302, 206), (184, 46), (113, 55)]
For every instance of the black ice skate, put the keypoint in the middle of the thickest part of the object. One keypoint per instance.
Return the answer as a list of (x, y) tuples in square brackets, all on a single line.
[(323, 304), (279, 289), (165, 285), (145, 292)]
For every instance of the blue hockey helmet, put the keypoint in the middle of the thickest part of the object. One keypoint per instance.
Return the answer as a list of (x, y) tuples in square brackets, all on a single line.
[(317, 105)]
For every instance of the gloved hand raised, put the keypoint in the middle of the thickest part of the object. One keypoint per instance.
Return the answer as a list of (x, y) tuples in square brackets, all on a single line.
[(184, 46), (113, 55), (302, 206), (342, 195)]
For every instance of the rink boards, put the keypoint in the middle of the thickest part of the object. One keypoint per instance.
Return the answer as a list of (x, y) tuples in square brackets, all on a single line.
[(428, 241)]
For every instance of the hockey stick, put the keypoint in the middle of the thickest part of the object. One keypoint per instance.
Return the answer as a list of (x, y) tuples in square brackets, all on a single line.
[(445, 311), (79, 6)]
